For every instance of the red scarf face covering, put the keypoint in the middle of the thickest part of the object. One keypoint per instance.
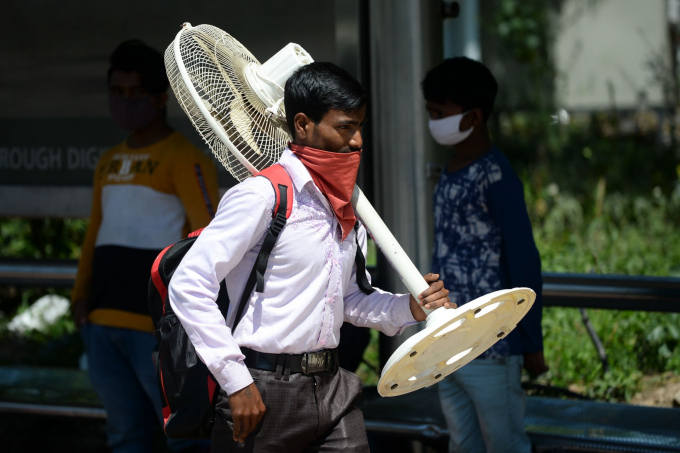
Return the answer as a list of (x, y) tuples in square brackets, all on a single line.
[(335, 175)]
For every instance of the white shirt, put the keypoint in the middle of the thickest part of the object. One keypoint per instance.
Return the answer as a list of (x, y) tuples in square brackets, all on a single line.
[(310, 284)]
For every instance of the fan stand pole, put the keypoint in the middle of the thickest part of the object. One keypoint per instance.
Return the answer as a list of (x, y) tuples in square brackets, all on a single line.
[(408, 273)]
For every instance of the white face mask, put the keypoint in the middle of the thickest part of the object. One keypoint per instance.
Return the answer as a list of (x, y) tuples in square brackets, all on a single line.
[(446, 131)]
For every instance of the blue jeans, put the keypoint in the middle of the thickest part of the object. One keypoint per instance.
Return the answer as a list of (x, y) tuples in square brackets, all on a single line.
[(484, 404), (122, 373)]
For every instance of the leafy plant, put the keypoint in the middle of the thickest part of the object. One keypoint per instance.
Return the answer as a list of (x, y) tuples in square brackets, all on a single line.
[(58, 344)]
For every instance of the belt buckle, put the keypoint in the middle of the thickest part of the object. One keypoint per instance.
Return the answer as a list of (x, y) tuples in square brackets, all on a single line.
[(314, 362)]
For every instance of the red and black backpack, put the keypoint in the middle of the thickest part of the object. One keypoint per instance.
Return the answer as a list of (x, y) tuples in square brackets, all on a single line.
[(188, 389)]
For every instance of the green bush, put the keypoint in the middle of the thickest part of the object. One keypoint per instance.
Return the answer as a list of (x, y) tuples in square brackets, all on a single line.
[(607, 202), (634, 236), (637, 343), (42, 238), (59, 344)]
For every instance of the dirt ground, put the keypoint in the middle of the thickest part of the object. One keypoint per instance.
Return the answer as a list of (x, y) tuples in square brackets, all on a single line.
[(659, 390)]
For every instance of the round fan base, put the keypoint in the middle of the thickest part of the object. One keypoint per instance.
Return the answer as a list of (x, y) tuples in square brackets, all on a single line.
[(452, 338)]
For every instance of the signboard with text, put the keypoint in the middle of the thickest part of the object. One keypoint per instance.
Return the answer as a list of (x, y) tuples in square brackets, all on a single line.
[(65, 151), (46, 165)]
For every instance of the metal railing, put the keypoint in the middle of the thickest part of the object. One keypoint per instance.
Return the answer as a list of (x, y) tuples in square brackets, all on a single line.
[(52, 410), (40, 273), (615, 292)]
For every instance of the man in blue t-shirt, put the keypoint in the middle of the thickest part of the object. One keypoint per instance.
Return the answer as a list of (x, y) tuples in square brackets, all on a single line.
[(482, 243)]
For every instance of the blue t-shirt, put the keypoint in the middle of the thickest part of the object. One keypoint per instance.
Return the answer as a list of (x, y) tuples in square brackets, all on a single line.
[(483, 242)]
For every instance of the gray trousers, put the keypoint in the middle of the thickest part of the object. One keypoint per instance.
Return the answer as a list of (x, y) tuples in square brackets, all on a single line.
[(307, 413)]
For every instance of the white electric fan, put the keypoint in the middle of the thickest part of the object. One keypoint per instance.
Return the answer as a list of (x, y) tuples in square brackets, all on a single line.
[(236, 104)]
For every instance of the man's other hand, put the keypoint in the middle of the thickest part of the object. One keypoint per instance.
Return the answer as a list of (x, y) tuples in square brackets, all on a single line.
[(247, 409), (534, 363), (79, 311), (433, 297)]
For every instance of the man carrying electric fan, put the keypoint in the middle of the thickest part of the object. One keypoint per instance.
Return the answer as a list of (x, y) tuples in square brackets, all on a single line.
[(310, 285)]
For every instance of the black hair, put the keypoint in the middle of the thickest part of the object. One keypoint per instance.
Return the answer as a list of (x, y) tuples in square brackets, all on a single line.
[(316, 88), (462, 81), (134, 55)]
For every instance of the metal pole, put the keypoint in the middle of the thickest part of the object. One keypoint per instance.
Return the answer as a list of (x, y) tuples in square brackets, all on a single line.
[(461, 33), (405, 41)]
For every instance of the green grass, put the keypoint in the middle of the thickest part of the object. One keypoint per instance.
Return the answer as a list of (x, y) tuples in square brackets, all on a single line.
[(625, 235)]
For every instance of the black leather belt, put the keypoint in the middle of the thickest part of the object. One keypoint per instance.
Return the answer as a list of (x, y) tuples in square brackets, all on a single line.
[(309, 362)]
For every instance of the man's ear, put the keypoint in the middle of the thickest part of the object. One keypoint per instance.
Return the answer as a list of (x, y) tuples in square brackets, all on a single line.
[(302, 125), (476, 117), (473, 118)]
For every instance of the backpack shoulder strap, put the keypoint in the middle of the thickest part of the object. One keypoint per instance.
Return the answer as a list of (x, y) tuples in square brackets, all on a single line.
[(283, 207), (360, 262), (283, 187)]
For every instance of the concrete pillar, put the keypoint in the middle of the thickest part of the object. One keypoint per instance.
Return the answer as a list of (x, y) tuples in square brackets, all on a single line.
[(405, 41)]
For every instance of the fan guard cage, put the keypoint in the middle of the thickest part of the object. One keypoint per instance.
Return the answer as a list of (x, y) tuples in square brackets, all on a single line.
[(215, 63)]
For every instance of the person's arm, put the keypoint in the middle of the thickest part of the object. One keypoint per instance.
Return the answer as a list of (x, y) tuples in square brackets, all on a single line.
[(194, 178), (506, 203), (81, 289), (387, 312), (240, 222)]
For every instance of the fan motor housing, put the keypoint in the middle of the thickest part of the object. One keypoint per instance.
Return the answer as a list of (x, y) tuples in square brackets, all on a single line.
[(269, 79)]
